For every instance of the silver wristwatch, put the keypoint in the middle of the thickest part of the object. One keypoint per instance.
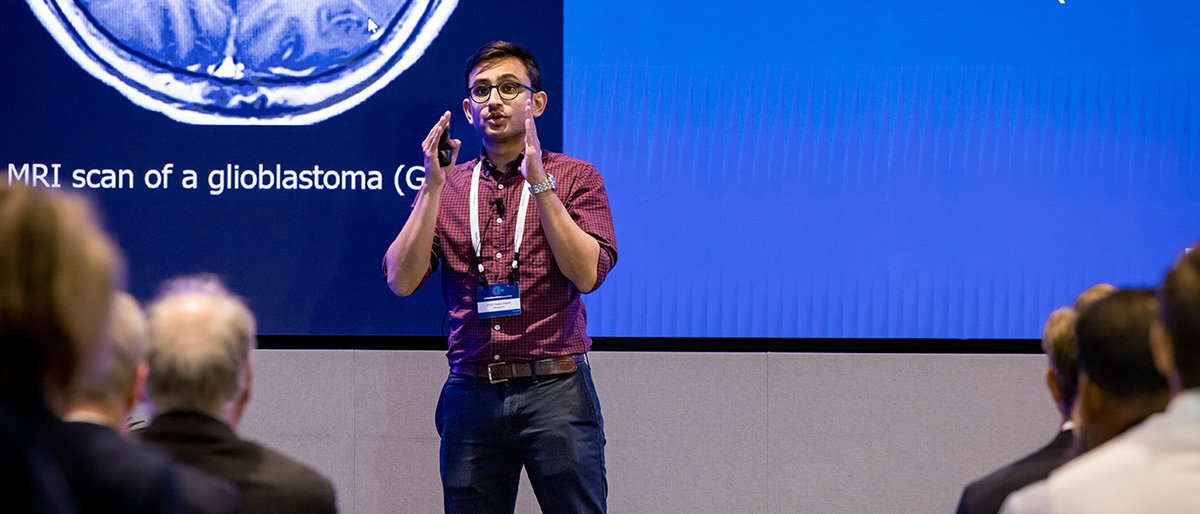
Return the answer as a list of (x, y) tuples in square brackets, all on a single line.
[(548, 185)]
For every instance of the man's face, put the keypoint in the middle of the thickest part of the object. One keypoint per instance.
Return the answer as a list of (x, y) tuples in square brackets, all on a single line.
[(496, 119)]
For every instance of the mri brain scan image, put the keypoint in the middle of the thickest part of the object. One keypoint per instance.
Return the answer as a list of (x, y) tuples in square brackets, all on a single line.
[(245, 62)]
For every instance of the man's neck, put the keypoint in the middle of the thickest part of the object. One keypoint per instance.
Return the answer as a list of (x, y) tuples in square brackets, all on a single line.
[(502, 154), (94, 415), (219, 413), (1121, 415)]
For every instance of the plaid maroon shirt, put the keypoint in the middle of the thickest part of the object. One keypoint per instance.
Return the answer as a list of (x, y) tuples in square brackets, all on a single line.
[(552, 320)]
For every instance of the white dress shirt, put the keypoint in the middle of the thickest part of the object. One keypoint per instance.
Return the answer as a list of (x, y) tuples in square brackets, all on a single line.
[(1153, 467)]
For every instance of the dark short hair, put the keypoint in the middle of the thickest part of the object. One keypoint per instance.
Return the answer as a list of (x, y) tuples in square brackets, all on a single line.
[(1114, 344), (497, 50), (1179, 299)]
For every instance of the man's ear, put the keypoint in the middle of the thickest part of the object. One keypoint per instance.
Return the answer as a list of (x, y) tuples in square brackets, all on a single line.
[(1052, 385), (1091, 399), (1077, 409), (1163, 351), (467, 110), (136, 392), (539, 103), (246, 382)]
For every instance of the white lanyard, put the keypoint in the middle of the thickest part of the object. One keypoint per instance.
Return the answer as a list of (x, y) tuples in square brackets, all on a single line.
[(476, 236)]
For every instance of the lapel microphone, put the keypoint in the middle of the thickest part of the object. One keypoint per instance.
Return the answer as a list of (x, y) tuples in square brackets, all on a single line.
[(498, 203)]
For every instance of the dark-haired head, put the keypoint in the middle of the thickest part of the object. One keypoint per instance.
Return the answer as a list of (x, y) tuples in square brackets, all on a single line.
[(1179, 312), (498, 50), (1114, 344)]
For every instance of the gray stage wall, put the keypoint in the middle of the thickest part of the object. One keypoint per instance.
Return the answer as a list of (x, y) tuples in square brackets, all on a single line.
[(687, 432)]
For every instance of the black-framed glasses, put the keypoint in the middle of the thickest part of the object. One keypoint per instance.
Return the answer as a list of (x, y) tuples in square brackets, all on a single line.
[(508, 91)]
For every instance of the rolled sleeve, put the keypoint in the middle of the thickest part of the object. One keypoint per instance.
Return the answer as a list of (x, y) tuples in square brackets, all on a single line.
[(587, 202)]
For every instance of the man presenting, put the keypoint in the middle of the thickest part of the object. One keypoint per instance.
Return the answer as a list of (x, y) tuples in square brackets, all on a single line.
[(521, 234)]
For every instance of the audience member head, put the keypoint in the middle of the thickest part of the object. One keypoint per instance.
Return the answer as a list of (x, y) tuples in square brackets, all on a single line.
[(1058, 342), (57, 272), (201, 339), (1060, 346), (112, 394), (1091, 295), (1119, 385), (1176, 337)]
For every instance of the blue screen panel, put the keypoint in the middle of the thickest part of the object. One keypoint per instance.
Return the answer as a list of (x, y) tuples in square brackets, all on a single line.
[(882, 169)]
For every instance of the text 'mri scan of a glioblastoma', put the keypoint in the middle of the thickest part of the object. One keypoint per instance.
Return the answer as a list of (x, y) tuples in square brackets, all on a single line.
[(245, 62)]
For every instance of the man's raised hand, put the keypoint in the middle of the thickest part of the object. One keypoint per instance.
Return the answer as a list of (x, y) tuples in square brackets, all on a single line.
[(531, 166), (435, 175)]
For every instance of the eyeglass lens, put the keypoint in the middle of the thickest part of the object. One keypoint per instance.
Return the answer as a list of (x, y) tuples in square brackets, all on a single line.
[(507, 90)]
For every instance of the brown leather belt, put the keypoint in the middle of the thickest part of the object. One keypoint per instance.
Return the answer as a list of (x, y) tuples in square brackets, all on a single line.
[(498, 372)]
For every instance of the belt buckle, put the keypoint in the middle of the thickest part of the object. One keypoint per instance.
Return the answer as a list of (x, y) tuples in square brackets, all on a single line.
[(495, 380)]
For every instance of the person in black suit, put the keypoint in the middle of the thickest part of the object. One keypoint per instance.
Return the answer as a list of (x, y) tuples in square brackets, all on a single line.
[(986, 495), (57, 270), (108, 474), (200, 376), (33, 481)]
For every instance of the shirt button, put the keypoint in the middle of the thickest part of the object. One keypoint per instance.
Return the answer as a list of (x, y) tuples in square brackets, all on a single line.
[(499, 220), (500, 186), (497, 327), (496, 357), (498, 256)]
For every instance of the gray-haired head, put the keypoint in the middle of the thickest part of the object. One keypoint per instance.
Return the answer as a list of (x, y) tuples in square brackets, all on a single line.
[(119, 363), (201, 339)]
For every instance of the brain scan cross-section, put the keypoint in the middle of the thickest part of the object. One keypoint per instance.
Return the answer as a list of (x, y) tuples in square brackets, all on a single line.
[(245, 62)]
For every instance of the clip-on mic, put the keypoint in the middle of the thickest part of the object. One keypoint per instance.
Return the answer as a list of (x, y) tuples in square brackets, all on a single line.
[(499, 204)]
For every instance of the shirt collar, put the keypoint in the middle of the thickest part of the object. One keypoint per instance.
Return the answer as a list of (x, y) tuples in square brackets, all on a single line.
[(1186, 401), (495, 172)]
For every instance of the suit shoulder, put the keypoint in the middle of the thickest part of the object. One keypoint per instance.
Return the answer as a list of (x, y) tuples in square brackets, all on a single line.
[(988, 493), (295, 482), (107, 472)]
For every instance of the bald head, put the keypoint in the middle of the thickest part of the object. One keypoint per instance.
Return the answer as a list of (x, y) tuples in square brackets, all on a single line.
[(201, 336)]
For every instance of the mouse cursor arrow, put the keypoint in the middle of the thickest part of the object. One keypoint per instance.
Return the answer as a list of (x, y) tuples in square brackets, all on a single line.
[(372, 27)]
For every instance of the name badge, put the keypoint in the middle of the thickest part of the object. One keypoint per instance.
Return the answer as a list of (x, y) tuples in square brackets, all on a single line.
[(496, 300)]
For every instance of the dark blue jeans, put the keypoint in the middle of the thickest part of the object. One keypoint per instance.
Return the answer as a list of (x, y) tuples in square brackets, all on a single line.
[(551, 426)]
